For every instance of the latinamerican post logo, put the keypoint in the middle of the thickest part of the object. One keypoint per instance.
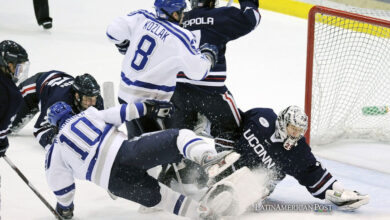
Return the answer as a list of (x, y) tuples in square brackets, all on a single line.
[(318, 208)]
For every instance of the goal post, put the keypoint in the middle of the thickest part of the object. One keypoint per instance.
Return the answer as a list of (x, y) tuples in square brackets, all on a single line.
[(347, 76)]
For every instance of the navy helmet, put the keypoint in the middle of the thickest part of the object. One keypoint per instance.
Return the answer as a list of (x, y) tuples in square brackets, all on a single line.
[(58, 113), (165, 8), (12, 52), (86, 85)]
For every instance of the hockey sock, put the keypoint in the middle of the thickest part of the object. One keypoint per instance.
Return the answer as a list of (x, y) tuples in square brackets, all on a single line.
[(177, 203), (192, 146)]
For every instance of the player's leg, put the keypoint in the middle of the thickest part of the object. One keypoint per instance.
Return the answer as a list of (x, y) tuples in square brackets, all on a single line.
[(29, 106), (41, 9), (136, 185), (224, 117)]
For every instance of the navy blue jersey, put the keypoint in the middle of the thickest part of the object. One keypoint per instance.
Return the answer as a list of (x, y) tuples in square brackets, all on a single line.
[(218, 26), (10, 101), (47, 89), (260, 147)]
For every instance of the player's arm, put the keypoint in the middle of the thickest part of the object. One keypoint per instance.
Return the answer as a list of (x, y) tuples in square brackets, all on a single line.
[(120, 30), (239, 22), (60, 180), (43, 131), (3, 123), (196, 63), (321, 184), (127, 112)]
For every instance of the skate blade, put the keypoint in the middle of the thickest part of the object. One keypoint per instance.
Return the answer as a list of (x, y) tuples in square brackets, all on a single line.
[(216, 169)]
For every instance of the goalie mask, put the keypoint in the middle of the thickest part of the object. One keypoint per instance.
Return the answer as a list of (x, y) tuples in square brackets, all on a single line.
[(291, 125)]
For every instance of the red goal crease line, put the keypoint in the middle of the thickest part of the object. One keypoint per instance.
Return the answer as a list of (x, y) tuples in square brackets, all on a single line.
[(355, 22)]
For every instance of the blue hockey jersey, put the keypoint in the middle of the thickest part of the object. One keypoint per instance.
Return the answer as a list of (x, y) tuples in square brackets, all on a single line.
[(52, 87), (218, 26), (10, 100), (260, 147)]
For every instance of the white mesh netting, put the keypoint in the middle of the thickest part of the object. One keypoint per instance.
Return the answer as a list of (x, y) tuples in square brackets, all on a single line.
[(351, 80)]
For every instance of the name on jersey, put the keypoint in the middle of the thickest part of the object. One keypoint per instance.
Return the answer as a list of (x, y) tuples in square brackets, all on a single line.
[(156, 29), (198, 21), (258, 148)]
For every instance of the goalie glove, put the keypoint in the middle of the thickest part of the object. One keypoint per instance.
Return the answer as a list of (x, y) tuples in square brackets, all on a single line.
[(158, 109), (211, 52), (346, 199)]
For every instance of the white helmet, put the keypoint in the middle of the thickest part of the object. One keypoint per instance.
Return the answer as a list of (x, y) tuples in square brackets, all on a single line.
[(292, 115)]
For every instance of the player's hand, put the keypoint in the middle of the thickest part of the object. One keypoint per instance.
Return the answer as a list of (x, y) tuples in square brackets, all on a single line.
[(3, 146), (211, 52), (158, 109), (122, 47), (347, 200), (66, 213), (256, 2)]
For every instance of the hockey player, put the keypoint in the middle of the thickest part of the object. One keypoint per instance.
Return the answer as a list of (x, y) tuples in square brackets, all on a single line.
[(46, 88), (210, 96), (13, 66), (277, 145), (89, 147), (156, 48)]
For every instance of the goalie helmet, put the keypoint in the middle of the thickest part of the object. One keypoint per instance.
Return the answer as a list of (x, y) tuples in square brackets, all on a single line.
[(165, 8), (295, 116), (203, 3), (12, 52), (58, 113)]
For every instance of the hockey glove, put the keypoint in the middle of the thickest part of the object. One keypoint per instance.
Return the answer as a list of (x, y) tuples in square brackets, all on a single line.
[(122, 47), (211, 53), (66, 213), (256, 2), (346, 199), (3, 146), (158, 109)]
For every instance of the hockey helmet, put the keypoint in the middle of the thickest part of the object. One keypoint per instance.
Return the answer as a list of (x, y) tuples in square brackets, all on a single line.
[(12, 52), (295, 116), (203, 3), (85, 86), (58, 113), (165, 8)]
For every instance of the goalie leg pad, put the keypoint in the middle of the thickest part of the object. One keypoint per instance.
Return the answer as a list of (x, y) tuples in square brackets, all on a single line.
[(238, 191)]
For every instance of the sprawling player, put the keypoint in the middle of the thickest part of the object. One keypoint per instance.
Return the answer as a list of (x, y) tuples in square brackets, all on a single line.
[(156, 49), (13, 66), (42, 90), (89, 147), (276, 144)]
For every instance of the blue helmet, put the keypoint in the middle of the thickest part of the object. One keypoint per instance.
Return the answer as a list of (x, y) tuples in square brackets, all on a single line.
[(164, 8), (58, 113)]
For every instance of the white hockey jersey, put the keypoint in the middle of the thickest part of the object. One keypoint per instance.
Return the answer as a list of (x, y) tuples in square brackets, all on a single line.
[(158, 51), (85, 148)]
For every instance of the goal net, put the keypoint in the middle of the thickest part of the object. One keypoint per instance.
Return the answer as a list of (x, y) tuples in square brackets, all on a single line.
[(348, 76)]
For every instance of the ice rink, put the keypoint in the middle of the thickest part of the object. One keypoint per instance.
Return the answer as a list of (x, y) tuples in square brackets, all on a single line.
[(265, 69)]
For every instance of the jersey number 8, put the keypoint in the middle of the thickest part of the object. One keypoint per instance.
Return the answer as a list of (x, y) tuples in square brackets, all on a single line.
[(144, 49)]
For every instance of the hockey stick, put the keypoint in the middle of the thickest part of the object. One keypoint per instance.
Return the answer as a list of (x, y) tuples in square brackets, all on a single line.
[(55, 213), (229, 3)]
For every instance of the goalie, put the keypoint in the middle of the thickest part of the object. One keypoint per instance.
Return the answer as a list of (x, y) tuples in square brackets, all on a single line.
[(276, 144)]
